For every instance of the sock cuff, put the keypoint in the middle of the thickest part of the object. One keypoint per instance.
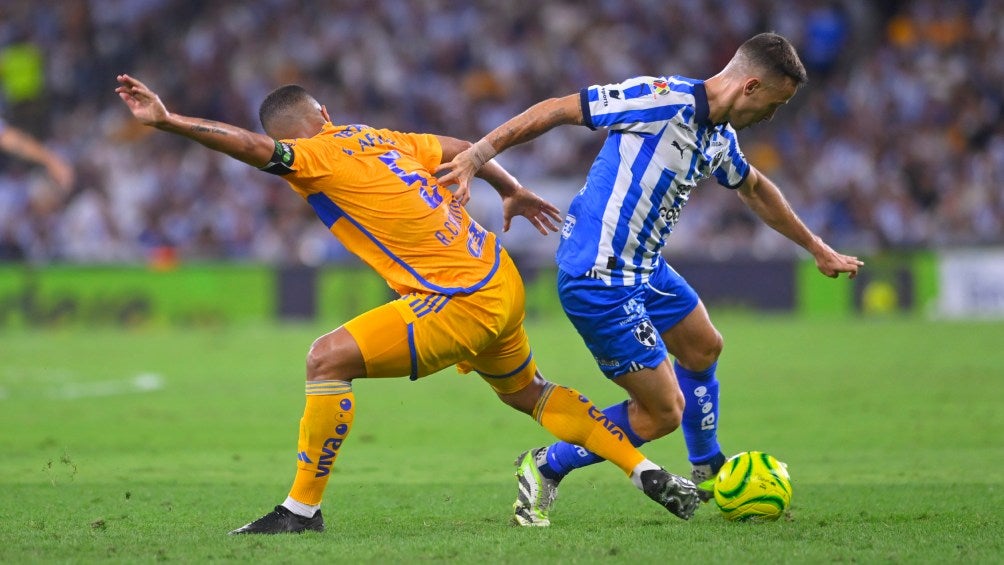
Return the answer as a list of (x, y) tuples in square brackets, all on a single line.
[(328, 387), (300, 508), (545, 395), (704, 375), (624, 422)]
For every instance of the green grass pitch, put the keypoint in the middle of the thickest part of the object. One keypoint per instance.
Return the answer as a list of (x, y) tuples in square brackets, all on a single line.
[(150, 445)]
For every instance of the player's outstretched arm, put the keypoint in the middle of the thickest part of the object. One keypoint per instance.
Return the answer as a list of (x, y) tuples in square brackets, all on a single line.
[(252, 148), (516, 199), (22, 144), (539, 118), (766, 200)]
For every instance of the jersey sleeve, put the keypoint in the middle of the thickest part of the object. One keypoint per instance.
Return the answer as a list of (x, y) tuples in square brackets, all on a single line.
[(733, 168), (423, 147), (300, 162), (637, 104)]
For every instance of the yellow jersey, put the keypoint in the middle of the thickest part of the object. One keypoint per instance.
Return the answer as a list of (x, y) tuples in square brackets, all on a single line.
[(376, 192)]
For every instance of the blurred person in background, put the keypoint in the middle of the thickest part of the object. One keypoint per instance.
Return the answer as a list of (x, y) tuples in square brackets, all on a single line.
[(882, 124), (630, 306), (24, 146), (461, 297)]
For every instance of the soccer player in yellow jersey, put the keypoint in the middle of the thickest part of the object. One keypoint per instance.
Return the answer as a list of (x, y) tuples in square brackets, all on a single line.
[(461, 297)]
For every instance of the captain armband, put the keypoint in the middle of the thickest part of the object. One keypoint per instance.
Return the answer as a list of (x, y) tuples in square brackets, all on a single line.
[(281, 162)]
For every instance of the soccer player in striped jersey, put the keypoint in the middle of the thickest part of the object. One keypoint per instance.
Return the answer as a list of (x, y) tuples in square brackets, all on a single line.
[(461, 297), (631, 308)]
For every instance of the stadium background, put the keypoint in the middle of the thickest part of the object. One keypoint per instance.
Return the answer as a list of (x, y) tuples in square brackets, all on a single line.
[(894, 151), (149, 442)]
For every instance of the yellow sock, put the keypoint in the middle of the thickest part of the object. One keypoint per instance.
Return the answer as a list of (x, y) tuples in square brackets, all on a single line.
[(573, 418), (327, 419)]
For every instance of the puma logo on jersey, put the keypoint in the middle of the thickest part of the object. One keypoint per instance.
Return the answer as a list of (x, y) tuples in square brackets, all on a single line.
[(678, 147)]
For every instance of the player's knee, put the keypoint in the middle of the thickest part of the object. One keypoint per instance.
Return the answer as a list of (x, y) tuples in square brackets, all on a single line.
[(704, 354), (516, 401), (663, 419), (318, 360), (526, 398), (714, 348), (671, 416), (329, 359)]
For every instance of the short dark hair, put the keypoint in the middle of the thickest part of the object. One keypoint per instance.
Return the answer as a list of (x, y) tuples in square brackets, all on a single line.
[(280, 102), (774, 54)]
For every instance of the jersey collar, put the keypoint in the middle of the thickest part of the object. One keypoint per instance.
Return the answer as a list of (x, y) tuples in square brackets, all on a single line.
[(701, 110)]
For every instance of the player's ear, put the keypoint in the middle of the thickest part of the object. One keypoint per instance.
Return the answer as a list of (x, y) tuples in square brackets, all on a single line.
[(751, 86), (324, 112)]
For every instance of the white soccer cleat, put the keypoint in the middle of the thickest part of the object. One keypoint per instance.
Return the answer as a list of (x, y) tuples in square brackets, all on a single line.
[(536, 493)]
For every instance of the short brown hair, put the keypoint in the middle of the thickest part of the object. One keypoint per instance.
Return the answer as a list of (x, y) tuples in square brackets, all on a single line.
[(774, 54)]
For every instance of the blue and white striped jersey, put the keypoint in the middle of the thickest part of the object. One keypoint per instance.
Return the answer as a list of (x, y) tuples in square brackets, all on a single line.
[(660, 143)]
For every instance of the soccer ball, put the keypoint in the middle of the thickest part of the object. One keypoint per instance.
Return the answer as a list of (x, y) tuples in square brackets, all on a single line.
[(753, 486)]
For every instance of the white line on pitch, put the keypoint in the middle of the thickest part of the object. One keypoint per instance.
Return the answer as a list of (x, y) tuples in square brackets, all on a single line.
[(144, 382)]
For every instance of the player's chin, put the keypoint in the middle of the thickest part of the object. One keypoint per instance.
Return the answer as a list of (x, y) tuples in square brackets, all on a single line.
[(743, 124)]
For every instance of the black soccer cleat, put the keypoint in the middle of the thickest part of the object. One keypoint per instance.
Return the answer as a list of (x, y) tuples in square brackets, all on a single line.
[(674, 493), (282, 521)]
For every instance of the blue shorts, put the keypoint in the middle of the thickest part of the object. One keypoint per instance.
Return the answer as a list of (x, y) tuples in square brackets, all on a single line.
[(621, 325)]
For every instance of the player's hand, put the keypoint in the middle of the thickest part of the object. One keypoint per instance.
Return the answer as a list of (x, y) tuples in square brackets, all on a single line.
[(459, 171), (831, 263), (462, 195), (538, 211), (144, 103)]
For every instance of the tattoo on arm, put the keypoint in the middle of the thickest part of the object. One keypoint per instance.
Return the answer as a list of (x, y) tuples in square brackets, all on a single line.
[(530, 125), (556, 116), (200, 128), (508, 135)]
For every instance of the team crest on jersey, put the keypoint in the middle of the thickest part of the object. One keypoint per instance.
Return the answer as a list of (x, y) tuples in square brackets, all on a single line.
[(645, 333), (660, 87)]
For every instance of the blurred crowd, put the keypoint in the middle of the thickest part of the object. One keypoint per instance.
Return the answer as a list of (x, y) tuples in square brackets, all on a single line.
[(897, 142)]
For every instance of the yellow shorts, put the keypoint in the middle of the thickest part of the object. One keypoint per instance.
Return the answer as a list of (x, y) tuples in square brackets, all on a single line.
[(422, 333)]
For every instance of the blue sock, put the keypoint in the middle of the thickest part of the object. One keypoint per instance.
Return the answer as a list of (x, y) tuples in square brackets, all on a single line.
[(563, 457), (700, 415)]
